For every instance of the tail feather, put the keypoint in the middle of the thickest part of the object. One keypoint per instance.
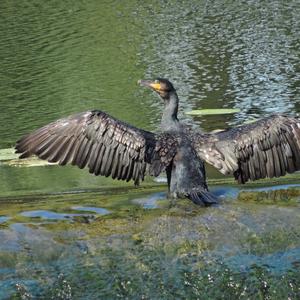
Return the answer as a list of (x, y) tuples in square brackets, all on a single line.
[(203, 198)]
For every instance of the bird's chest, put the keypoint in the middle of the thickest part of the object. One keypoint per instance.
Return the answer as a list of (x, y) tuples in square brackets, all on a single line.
[(186, 162), (187, 170)]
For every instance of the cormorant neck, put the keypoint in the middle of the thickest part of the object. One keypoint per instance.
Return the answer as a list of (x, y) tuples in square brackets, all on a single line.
[(169, 119)]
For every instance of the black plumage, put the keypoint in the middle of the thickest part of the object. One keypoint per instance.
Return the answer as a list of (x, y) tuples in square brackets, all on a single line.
[(106, 146)]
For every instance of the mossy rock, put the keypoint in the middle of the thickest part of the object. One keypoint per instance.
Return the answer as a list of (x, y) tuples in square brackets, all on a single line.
[(281, 197)]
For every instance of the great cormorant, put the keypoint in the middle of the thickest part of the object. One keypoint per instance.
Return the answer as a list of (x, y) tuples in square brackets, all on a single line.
[(269, 147)]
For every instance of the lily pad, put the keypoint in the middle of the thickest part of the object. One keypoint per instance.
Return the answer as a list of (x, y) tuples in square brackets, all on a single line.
[(250, 121), (8, 154), (32, 161), (9, 157), (213, 111)]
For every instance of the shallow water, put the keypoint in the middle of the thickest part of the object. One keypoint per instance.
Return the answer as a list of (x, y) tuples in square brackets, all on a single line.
[(68, 235), (236, 249), (50, 215)]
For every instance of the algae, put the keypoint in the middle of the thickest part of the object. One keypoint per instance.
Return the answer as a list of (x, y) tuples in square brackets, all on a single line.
[(288, 196), (242, 248), (183, 255)]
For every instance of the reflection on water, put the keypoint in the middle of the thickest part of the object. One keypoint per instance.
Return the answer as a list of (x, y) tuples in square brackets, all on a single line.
[(243, 55)]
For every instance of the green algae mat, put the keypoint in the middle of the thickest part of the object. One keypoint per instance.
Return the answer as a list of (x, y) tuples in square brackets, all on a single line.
[(135, 244)]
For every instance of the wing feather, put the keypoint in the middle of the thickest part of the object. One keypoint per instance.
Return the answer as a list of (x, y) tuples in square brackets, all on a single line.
[(94, 139), (267, 148)]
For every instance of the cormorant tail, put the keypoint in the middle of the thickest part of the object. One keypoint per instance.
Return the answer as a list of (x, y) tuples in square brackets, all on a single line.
[(203, 198)]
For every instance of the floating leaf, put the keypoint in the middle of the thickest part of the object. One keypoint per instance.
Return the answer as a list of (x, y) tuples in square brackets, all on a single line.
[(32, 161), (9, 157), (213, 111), (8, 154), (250, 121)]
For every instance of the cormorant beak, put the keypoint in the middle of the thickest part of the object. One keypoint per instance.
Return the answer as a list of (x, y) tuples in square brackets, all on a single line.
[(151, 84)]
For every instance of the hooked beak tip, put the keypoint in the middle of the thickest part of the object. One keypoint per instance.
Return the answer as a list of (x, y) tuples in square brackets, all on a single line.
[(144, 82)]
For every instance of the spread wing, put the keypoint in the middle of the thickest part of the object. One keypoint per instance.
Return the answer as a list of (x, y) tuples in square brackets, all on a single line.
[(94, 139), (267, 148)]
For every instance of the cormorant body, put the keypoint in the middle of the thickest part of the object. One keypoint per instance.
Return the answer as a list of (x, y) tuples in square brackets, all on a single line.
[(267, 148)]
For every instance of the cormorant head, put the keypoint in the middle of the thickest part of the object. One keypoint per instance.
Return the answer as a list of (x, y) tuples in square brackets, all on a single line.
[(161, 86)]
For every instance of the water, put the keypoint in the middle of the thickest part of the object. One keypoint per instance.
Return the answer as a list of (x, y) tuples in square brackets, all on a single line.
[(150, 202), (67, 57), (50, 215), (57, 58), (147, 247), (3, 219), (97, 210)]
